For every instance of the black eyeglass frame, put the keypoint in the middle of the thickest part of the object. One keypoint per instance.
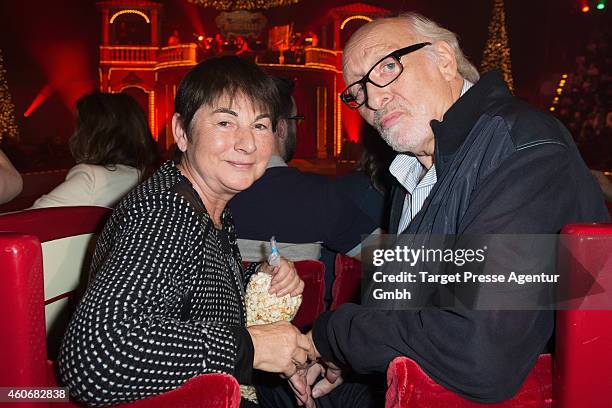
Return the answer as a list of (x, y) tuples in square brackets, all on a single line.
[(347, 98)]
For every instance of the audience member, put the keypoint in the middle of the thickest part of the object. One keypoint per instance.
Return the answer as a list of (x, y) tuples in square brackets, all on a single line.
[(369, 186), (174, 39), (472, 160), (10, 180), (167, 299), (113, 147), (218, 43), (302, 210)]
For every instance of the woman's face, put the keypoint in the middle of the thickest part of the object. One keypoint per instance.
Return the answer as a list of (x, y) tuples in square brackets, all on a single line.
[(231, 143)]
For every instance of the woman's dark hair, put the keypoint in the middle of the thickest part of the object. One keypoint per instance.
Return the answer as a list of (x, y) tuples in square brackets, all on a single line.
[(228, 75), (376, 158), (112, 129)]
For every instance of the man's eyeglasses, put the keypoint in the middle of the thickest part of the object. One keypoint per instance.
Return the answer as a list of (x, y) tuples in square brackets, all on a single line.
[(385, 71), (297, 118)]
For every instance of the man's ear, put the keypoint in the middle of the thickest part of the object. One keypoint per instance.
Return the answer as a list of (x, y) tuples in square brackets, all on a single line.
[(446, 60), (281, 129), (180, 136)]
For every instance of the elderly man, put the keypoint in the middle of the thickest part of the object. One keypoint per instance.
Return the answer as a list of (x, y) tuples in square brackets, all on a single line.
[(472, 159)]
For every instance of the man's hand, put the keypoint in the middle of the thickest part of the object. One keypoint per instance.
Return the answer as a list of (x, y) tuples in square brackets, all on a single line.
[(285, 278), (331, 379), (315, 381)]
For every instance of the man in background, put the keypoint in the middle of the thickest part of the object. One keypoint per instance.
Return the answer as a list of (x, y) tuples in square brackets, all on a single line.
[(302, 210)]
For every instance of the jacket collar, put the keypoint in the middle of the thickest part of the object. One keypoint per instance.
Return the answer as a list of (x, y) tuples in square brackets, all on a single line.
[(276, 161), (461, 117)]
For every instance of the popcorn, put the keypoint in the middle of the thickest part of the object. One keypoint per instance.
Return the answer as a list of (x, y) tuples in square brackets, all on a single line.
[(264, 308)]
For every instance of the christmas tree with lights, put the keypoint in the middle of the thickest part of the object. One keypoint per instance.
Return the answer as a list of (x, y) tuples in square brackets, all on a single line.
[(7, 109), (497, 51)]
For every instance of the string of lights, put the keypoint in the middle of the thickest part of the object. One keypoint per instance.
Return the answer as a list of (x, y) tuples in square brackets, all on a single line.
[(227, 5), (7, 109), (496, 54), (558, 92)]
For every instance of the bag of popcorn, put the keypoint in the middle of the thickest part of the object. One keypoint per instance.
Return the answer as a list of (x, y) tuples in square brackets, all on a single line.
[(264, 308)]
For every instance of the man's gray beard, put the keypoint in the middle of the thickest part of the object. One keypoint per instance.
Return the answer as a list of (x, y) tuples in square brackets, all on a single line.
[(387, 138)]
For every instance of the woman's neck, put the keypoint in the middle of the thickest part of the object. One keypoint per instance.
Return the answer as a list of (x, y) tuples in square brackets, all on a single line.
[(214, 202)]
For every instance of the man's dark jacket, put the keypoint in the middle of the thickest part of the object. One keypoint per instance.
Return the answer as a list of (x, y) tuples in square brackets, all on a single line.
[(503, 168)]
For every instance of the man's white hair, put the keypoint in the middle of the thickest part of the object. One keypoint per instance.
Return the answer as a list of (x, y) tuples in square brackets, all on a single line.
[(428, 30)]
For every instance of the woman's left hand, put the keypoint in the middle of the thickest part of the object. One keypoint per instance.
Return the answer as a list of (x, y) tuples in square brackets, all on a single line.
[(285, 278)]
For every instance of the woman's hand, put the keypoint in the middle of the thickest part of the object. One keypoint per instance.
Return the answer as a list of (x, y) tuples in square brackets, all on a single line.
[(280, 348), (285, 278)]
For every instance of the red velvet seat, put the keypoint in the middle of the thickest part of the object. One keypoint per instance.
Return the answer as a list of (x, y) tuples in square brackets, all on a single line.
[(410, 387), (347, 281), (312, 273), (195, 393), (57, 238), (583, 352), (22, 343)]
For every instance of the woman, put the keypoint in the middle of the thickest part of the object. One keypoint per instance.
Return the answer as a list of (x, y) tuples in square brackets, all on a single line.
[(167, 299), (11, 182), (113, 147)]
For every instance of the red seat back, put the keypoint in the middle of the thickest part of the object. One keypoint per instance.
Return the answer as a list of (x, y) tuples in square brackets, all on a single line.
[(56, 222), (203, 391), (312, 273), (347, 281), (22, 343), (583, 348), (408, 386), (67, 236)]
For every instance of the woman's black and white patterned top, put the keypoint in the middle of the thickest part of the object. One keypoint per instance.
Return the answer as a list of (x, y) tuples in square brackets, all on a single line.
[(166, 303)]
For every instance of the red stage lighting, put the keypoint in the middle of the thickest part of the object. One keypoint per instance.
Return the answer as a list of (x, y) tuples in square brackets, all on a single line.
[(66, 66), (191, 11), (585, 9), (40, 98)]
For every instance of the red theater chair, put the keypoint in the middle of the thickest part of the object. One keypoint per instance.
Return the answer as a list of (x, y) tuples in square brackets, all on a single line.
[(582, 375), (312, 273), (347, 281), (43, 256), (408, 386)]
